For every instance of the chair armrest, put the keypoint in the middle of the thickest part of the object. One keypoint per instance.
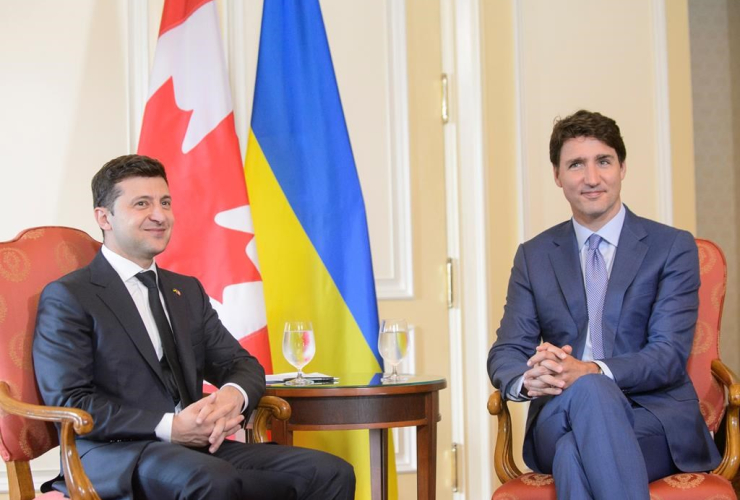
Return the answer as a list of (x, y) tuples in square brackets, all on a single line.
[(73, 421), (268, 408), (731, 459), (503, 462)]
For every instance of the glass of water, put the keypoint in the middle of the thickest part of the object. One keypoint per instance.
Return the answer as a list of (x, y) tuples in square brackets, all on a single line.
[(299, 348), (393, 343)]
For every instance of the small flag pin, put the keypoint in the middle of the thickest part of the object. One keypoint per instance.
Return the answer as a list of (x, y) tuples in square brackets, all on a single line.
[(177, 291)]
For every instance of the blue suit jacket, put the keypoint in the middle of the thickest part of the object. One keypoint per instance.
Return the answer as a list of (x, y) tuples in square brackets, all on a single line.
[(650, 312), (92, 351)]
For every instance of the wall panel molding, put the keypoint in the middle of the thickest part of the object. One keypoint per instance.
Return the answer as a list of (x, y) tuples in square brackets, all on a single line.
[(400, 284), (138, 67), (662, 114)]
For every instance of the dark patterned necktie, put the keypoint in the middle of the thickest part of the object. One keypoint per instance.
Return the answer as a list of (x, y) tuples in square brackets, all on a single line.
[(179, 391)]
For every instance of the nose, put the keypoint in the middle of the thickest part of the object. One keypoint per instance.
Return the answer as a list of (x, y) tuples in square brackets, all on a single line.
[(157, 213), (591, 176)]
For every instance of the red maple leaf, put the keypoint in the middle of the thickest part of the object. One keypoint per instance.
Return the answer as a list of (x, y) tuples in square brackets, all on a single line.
[(204, 182)]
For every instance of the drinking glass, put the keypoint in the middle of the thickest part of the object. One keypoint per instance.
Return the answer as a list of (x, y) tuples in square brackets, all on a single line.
[(393, 342), (299, 348)]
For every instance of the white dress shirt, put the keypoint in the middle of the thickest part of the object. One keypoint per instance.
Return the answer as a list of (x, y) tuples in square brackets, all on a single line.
[(608, 247), (128, 270)]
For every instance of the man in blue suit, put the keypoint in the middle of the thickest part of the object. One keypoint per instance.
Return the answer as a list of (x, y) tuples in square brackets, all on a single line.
[(597, 330)]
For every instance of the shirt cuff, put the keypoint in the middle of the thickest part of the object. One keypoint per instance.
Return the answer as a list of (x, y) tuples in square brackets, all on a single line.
[(246, 398), (515, 390), (163, 430), (604, 369)]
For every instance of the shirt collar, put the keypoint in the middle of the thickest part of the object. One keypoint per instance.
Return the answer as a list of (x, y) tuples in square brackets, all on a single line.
[(610, 231), (125, 268)]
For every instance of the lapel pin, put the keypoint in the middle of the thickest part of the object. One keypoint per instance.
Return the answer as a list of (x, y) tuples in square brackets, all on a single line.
[(175, 290)]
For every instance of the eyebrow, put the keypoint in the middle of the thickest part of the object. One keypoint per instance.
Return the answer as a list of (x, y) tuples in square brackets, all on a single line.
[(150, 198), (581, 159)]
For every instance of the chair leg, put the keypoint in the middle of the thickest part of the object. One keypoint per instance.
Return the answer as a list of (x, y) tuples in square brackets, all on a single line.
[(20, 481)]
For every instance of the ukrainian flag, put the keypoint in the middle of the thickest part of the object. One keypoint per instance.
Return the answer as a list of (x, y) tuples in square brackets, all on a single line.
[(309, 213)]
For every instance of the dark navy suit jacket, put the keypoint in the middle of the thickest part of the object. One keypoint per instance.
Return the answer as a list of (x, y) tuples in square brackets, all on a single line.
[(92, 351), (650, 312)]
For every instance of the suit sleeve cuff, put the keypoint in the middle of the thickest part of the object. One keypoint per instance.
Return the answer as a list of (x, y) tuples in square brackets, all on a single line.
[(246, 398), (163, 430)]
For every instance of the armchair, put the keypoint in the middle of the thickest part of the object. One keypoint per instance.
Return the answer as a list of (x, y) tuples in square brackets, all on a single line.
[(719, 401), (27, 263)]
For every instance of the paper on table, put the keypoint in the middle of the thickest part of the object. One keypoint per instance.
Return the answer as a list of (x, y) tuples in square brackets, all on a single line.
[(278, 378)]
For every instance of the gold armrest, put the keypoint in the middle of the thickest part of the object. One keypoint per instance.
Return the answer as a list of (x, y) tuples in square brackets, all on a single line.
[(72, 421), (503, 463), (731, 459), (268, 408)]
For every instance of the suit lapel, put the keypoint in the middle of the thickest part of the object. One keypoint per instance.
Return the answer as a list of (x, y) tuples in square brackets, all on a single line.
[(178, 309), (627, 261), (567, 266), (114, 294)]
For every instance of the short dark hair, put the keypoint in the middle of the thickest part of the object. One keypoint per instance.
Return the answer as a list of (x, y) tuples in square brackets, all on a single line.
[(586, 124), (105, 188)]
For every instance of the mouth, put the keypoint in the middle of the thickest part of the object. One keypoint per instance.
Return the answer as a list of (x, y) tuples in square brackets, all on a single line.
[(159, 231), (592, 195)]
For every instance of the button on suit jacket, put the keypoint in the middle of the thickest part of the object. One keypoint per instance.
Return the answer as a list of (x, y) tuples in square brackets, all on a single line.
[(92, 351), (649, 316)]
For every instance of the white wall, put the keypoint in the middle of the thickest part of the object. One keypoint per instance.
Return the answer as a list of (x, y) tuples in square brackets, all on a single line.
[(63, 95)]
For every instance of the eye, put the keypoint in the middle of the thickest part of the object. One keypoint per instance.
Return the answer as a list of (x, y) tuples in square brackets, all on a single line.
[(166, 203), (575, 164), (141, 203)]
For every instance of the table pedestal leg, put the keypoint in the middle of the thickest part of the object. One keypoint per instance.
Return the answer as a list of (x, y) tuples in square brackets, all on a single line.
[(379, 463), (426, 450)]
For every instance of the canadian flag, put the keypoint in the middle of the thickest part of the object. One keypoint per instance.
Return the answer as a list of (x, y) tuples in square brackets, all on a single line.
[(189, 126)]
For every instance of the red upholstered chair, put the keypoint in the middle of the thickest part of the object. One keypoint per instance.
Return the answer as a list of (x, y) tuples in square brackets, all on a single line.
[(33, 259), (719, 397)]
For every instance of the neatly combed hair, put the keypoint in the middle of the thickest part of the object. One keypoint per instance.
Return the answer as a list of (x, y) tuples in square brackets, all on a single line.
[(105, 188), (586, 124)]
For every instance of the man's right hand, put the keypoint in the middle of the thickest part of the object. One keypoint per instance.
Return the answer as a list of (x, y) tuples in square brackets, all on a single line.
[(188, 432)]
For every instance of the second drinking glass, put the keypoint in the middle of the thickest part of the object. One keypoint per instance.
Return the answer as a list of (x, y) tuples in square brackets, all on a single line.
[(299, 348)]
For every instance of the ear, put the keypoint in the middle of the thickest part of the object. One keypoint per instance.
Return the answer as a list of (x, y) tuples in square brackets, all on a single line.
[(623, 169), (556, 175), (102, 215)]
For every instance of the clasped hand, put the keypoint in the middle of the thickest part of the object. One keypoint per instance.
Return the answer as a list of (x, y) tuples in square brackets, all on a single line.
[(553, 369), (207, 422)]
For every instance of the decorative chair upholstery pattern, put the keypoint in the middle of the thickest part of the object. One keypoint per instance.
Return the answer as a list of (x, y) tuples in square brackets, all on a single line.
[(27, 264), (718, 389)]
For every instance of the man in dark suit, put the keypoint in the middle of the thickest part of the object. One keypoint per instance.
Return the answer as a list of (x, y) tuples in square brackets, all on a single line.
[(104, 343), (597, 329)]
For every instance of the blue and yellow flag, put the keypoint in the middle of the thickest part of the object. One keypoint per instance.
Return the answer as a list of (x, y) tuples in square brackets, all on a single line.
[(309, 213)]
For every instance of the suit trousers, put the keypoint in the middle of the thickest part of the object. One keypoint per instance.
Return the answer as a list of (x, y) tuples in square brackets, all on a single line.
[(241, 471), (597, 444)]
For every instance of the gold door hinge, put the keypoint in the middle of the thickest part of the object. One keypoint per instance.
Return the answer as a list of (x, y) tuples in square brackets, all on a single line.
[(453, 462), (445, 98), (450, 283)]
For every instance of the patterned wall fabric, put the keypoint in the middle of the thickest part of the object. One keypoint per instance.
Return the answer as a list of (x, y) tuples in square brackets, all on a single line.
[(714, 27)]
